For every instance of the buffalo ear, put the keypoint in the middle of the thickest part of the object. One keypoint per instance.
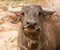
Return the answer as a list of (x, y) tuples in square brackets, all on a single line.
[(48, 11)]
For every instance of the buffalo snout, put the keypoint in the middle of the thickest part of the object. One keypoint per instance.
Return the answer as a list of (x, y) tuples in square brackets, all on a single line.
[(31, 23)]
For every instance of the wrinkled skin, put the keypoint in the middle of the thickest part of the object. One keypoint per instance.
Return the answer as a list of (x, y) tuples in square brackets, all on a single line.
[(56, 28), (43, 30)]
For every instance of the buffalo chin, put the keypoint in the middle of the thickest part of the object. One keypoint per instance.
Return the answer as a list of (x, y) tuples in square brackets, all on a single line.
[(31, 33)]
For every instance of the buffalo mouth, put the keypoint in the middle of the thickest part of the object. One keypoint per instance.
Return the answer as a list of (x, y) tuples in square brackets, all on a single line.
[(31, 29)]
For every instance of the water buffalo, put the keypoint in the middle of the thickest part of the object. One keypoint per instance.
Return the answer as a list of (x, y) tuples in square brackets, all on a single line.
[(38, 31)]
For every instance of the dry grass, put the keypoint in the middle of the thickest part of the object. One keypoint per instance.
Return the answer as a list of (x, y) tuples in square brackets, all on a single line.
[(4, 3)]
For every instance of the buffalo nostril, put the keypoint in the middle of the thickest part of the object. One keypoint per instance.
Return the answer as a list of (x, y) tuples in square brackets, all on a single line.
[(34, 23), (27, 22)]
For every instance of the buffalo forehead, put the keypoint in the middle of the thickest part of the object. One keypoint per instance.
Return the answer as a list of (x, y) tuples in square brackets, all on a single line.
[(33, 8)]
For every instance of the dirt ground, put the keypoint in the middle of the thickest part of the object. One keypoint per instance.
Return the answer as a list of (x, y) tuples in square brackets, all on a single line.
[(9, 32)]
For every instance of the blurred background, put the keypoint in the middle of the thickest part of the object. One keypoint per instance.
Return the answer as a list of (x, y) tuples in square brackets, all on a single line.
[(4, 3)]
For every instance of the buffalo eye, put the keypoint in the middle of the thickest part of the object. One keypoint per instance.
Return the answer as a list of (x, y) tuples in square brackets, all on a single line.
[(22, 13), (39, 13)]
